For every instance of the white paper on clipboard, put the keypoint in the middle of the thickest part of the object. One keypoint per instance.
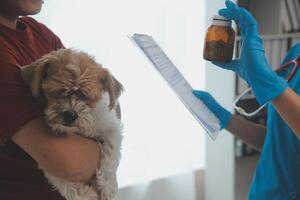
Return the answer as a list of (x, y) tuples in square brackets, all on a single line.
[(178, 83)]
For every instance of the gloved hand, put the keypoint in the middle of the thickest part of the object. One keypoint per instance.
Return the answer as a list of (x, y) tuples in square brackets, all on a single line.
[(221, 113), (252, 65)]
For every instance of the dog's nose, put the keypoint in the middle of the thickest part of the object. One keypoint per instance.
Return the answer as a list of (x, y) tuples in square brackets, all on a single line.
[(69, 117)]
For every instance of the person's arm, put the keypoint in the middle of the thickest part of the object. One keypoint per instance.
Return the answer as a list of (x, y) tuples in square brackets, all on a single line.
[(70, 156), (254, 68), (288, 106), (252, 134)]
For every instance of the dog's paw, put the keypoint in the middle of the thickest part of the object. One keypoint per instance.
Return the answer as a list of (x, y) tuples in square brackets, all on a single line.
[(107, 193), (87, 193), (107, 186)]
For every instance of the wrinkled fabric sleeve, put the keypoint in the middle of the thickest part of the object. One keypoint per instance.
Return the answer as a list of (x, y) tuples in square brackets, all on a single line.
[(17, 106)]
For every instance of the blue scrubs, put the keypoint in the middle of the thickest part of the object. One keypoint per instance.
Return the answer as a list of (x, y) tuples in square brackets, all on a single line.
[(277, 175)]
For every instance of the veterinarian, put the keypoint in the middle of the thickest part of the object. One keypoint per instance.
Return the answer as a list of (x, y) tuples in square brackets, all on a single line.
[(277, 175), (26, 142)]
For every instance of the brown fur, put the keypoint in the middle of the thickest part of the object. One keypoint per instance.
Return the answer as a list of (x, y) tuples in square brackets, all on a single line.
[(68, 66), (68, 75)]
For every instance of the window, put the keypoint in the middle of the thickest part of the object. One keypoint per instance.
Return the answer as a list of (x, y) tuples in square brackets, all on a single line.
[(161, 137)]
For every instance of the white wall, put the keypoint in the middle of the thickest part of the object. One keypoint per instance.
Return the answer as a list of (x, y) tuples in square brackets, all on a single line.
[(219, 170), (180, 187)]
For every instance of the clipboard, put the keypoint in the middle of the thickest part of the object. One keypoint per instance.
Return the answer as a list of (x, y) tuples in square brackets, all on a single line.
[(157, 57)]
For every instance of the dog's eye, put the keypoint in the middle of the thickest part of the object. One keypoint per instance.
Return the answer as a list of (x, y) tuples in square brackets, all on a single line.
[(59, 94), (80, 95)]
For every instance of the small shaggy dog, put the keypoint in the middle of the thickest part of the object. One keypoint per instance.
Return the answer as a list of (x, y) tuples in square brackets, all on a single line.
[(82, 98)]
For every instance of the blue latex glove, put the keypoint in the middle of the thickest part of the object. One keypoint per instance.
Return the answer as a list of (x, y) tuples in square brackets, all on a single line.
[(252, 65), (221, 113)]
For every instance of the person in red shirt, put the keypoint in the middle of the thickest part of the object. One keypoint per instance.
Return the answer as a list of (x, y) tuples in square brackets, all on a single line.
[(26, 143)]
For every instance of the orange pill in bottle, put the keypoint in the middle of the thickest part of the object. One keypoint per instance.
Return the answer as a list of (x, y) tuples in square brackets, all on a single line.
[(219, 40)]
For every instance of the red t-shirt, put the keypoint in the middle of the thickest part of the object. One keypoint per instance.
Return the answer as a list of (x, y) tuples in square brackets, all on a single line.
[(20, 178)]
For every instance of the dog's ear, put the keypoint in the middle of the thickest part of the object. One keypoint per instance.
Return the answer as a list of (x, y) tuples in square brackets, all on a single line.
[(112, 86), (34, 74)]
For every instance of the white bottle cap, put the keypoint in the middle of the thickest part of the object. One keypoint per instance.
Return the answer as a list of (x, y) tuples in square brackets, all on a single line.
[(220, 21)]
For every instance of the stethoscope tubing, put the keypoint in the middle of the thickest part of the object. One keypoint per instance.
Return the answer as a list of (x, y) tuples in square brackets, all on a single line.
[(289, 78)]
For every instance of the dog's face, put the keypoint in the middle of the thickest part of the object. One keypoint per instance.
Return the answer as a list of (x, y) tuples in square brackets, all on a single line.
[(72, 84)]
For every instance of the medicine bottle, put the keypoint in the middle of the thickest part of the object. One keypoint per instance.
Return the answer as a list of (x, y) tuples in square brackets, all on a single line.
[(219, 40)]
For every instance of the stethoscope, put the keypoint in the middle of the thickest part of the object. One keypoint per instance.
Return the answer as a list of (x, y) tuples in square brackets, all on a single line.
[(295, 63)]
